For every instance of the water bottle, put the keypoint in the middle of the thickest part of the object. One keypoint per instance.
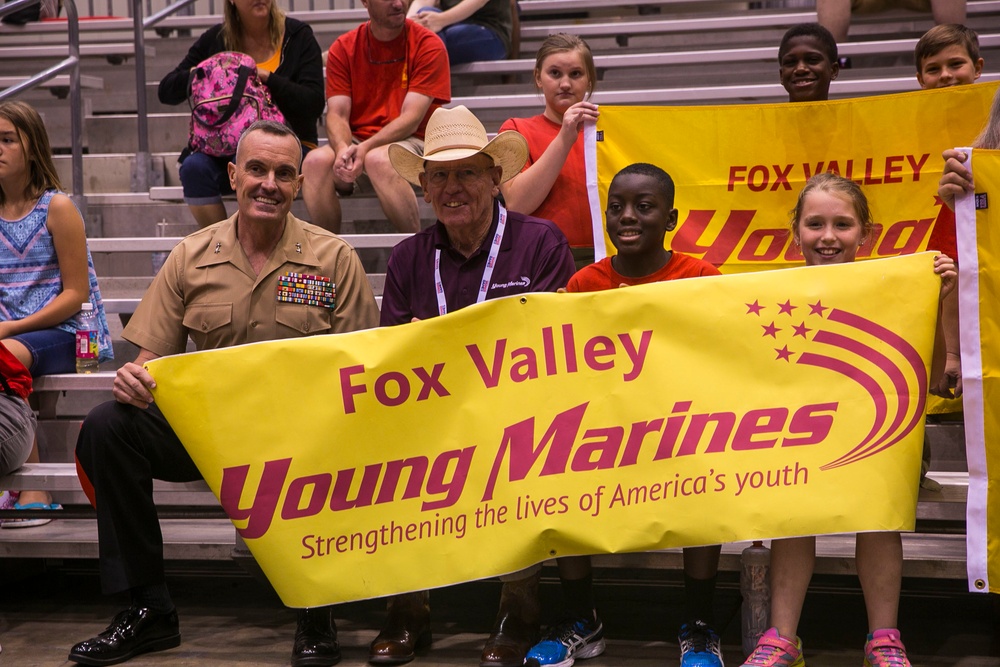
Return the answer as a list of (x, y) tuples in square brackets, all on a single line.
[(160, 257), (755, 614), (86, 340)]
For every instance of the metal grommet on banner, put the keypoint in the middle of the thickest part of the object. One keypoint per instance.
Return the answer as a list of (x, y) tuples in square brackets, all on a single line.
[(524, 299), (552, 552), (979, 584)]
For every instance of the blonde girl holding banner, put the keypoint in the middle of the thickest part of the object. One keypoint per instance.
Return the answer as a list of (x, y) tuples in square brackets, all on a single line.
[(830, 222), (553, 183)]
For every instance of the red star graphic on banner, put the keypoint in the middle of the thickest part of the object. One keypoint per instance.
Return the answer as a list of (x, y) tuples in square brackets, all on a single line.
[(817, 308), (801, 330), (786, 307), (770, 330), (784, 353), (754, 308)]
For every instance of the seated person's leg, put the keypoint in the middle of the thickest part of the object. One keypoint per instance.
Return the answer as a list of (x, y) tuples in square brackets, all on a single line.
[(17, 432), (580, 633), (319, 188), (43, 352), (792, 563), (468, 42), (948, 11), (120, 450), (835, 16), (394, 194), (699, 641), (205, 179), (879, 559)]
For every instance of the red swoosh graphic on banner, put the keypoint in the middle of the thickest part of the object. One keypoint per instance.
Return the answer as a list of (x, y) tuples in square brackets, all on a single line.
[(896, 377), (915, 364), (867, 382)]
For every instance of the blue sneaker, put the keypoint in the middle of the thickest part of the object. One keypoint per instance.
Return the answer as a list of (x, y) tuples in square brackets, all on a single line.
[(567, 641), (700, 646)]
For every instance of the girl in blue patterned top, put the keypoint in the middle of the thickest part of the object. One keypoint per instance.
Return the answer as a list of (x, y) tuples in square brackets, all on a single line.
[(46, 271)]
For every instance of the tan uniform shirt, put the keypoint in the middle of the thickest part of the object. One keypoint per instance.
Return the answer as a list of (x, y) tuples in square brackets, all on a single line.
[(208, 291)]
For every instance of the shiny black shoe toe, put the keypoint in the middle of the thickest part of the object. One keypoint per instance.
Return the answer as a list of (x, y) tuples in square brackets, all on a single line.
[(132, 632), (315, 639)]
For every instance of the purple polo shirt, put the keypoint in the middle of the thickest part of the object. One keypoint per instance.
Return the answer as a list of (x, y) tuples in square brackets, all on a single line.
[(534, 257)]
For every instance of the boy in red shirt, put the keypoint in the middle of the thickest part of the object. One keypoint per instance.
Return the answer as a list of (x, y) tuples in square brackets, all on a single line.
[(948, 55), (640, 213)]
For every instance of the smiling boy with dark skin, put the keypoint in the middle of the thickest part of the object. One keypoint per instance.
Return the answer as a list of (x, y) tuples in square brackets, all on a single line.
[(640, 212), (808, 62)]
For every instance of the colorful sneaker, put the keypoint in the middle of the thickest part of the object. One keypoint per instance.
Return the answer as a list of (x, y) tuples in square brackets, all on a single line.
[(31, 523), (885, 649), (773, 650), (565, 642), (7, 500), (700, 646)]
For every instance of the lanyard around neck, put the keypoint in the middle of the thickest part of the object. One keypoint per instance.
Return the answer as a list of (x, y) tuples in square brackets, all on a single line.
[(491, 262)]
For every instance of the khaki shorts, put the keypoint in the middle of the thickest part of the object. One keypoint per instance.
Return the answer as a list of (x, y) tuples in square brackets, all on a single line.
[(872, 6), (412, 142)]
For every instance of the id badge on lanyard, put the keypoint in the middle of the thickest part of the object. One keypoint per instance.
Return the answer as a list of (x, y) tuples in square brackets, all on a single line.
[(491, 261)]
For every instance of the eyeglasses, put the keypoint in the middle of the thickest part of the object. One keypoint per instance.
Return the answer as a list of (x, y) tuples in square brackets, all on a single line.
[(464, 175), (368, 45)]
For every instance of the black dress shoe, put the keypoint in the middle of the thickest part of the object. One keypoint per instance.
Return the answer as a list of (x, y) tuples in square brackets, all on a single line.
[(133, 631), (315, 639)]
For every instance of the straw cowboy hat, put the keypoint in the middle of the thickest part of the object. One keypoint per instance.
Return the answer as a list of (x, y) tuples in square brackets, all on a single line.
[(455, 134)]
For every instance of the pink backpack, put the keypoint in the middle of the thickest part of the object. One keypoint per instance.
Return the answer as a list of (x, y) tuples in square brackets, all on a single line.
[(226, 98)]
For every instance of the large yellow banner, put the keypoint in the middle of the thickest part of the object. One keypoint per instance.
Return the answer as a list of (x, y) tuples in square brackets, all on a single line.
[(739, 168), (979, 303), (683, 413)]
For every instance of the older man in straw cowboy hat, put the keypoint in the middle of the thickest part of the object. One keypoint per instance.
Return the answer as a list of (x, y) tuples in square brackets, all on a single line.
[(476, 250)]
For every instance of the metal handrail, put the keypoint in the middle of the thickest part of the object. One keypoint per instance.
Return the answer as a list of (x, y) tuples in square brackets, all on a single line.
[(71, 63), (143, 178)]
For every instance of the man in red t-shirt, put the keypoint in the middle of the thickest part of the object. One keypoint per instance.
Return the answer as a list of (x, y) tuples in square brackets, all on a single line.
[(383, 81)]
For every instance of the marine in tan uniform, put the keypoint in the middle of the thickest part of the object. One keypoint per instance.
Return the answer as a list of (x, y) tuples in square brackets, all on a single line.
[(221, 286)]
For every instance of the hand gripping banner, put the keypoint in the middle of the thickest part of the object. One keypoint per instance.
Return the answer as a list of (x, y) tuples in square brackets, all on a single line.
[(684, 413)]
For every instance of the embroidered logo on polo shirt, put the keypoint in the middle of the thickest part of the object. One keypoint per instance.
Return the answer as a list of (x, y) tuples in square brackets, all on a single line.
[(523, 281), (307, 289)]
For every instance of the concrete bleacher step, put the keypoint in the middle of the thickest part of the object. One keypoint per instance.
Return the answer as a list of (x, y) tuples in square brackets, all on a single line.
[(112, 172), (183, 539), (117, 133), (114, 53), (730, 56)]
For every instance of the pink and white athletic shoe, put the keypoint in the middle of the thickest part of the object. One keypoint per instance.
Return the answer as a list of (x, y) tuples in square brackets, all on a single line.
[(885, 649), (773, 650)]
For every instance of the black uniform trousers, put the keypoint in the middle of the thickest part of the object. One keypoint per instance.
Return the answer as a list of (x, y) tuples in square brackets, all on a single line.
[(122, 449)]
